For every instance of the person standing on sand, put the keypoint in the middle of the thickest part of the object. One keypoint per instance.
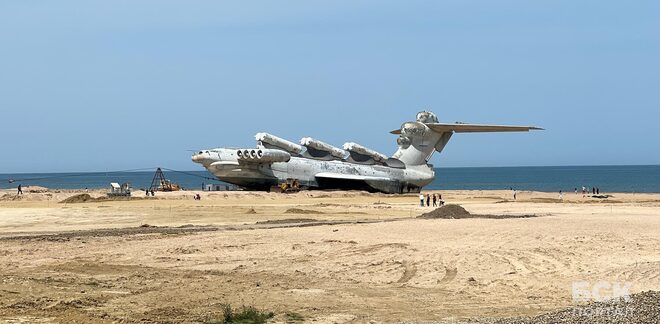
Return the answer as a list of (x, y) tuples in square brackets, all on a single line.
[(428, 200), (421, 199), (576, 191), (597, 191), (20, 189), (435, 201), (561, 195), (515, 195)]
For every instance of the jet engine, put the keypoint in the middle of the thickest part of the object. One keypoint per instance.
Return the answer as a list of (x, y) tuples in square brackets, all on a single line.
[(263, 156), (359, 149)]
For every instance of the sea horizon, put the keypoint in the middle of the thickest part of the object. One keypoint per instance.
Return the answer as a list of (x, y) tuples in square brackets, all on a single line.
[(607, 178)]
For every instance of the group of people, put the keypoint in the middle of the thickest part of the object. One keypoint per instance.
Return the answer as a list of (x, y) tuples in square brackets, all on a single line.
[(197, 197), (150, 191), (585, 191), (435, 198)]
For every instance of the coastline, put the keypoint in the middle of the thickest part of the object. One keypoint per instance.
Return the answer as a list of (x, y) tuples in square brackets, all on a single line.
[(613, 178)]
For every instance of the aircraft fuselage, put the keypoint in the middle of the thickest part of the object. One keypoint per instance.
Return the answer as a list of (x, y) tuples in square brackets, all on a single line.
[(225, 165), (318, 165)]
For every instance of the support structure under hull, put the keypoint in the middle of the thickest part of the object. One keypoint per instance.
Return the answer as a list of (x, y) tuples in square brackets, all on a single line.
[(264, 184)]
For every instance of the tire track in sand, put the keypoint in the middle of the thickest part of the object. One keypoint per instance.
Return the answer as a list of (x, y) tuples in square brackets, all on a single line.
[(408, 273)]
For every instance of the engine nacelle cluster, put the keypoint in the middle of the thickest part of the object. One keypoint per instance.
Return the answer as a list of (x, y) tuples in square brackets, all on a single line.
[(263, 155)]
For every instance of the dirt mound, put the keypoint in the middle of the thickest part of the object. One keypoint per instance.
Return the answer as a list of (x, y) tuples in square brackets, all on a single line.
[(301, 211), (10, 197), (35, 189), (112, 232), (447, 212), (288, 221), (80, 198), (326, 205), (458, 212), (83, 198), (251, 211)]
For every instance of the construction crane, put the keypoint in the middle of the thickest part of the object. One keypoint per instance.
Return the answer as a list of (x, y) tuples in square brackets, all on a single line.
[(159, 183)]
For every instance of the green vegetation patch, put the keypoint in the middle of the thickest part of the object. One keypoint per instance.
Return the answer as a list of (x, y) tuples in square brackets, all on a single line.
[(245, 315)]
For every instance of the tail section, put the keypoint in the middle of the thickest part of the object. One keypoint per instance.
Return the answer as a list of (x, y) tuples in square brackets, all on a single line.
[(420, 139), (417, 142)]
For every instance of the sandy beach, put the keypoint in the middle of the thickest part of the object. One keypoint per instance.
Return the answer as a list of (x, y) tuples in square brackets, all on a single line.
[(329, 257)]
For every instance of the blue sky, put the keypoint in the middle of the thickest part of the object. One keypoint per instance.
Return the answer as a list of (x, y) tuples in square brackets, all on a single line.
[(111, 85)]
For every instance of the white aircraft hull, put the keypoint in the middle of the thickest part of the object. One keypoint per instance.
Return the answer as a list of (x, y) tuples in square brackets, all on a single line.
[(318, 165), (316, 174)]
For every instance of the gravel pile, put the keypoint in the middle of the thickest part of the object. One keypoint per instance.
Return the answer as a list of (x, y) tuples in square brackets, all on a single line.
[(447, 212), (458, 212), (81, 198), (642, 308)]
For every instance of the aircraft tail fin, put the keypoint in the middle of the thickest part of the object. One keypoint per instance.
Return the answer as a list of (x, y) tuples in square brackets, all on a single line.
[(419, 140)]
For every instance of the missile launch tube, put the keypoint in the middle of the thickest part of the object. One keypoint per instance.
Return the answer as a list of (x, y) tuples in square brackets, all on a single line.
[(279, 142), (357, 148), (318, 145)]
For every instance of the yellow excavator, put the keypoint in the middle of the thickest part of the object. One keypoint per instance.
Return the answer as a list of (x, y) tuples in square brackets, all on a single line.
[(167, 185), (288, 186), (159, 183)]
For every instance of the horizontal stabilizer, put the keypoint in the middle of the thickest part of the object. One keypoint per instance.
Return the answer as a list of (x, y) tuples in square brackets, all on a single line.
[(474, 128)]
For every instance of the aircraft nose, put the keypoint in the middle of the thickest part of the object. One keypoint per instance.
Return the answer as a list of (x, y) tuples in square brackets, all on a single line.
[(198, 157)]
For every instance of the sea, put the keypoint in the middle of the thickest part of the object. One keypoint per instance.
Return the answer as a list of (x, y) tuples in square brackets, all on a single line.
[(638, 178)]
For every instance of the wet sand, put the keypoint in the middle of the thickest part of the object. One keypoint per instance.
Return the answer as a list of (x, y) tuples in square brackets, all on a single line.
[(328, 256)]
